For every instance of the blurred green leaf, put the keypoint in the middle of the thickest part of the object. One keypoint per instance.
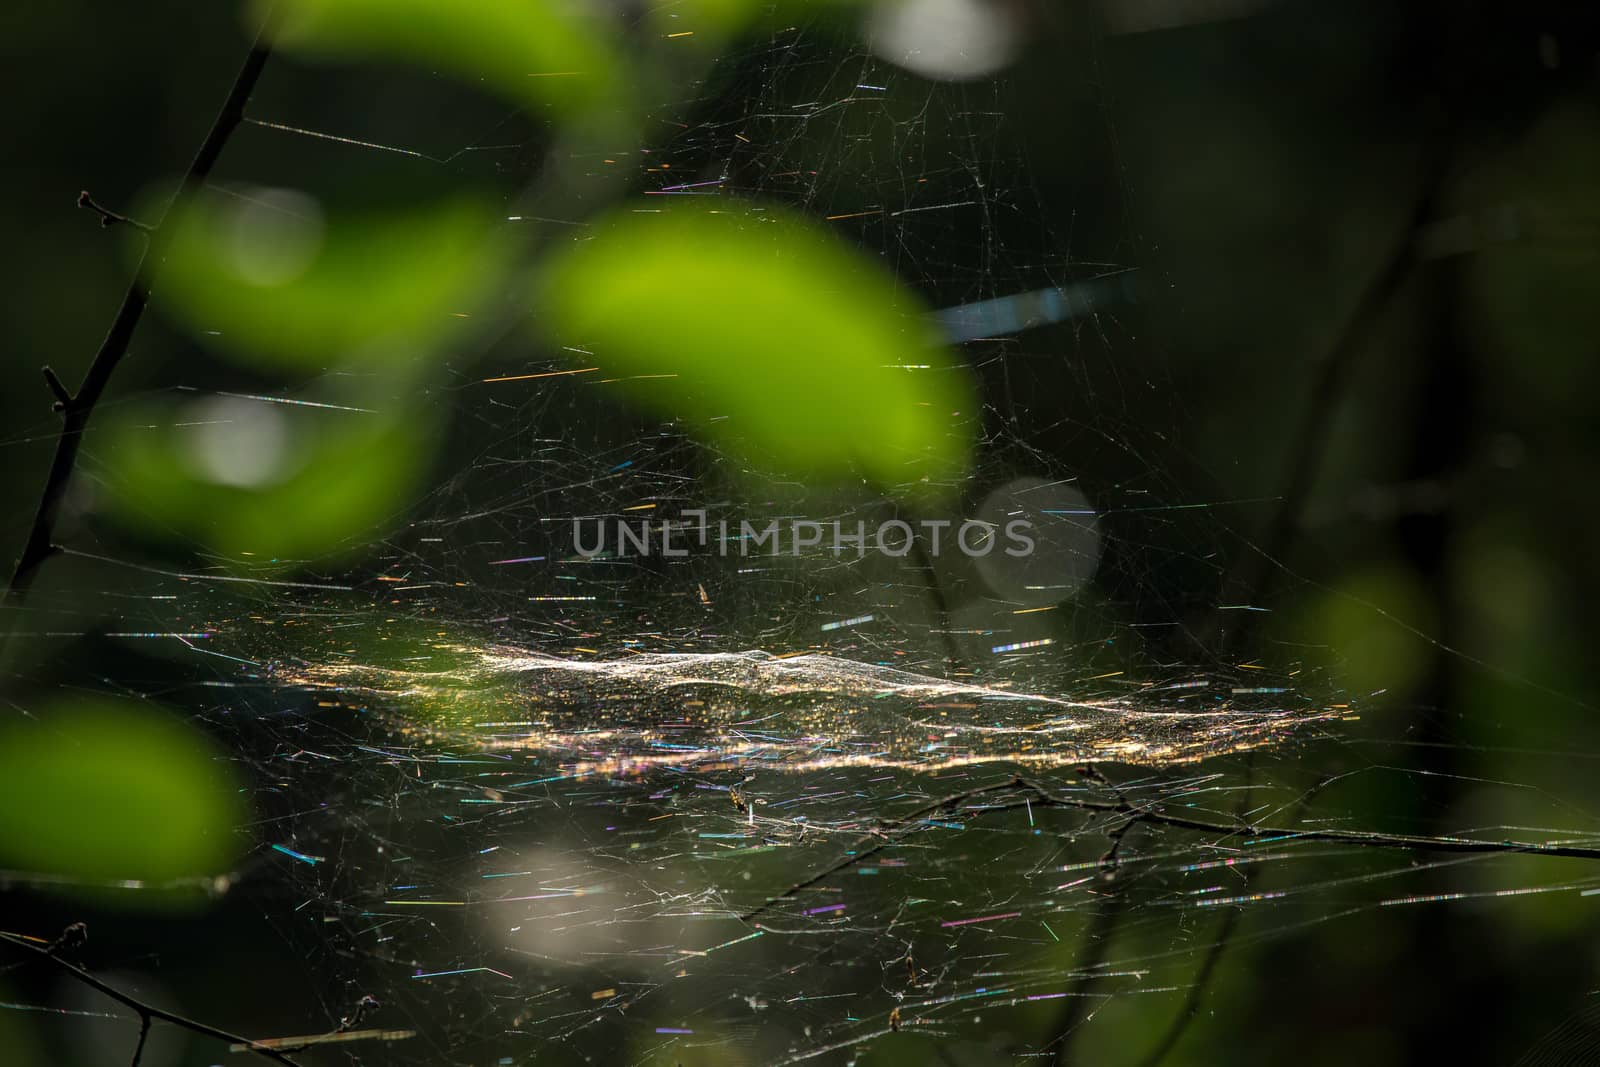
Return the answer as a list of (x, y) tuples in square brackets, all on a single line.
[(102, 792), (264, 277), (253, 479), (773, 337), (532, 51)]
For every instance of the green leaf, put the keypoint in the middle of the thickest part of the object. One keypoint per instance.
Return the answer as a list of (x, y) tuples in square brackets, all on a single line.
[(102, 792), (534, 52), (774, 338), (261, 482), (263, 277)]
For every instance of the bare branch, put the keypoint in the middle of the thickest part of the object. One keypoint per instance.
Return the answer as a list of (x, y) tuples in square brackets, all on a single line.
[(78, 407), (57, 387), (147, 1013), (109, 218), (1035, 794), (144, 1033)]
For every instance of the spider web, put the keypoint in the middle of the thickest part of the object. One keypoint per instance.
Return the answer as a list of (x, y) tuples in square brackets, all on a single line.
[(732, 808)]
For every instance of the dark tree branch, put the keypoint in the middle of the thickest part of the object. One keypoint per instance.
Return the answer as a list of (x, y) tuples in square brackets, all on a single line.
[(144, 1033), (366, 1004), (147, 1013), (109, 218), (895, 830), (57, 387), (1103, 927), (892, 833), (76, 408)]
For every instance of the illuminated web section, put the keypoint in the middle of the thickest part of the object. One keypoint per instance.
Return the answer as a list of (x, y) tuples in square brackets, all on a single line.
[(752, 711)]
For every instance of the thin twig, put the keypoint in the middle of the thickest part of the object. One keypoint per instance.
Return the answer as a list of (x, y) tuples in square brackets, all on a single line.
[(895, 829), (145, 1019), (109, 218), (1035, 794), (1101, 930), (345, 1031), (366, 1004), (76, 408), (147, 1012), (58, 388)]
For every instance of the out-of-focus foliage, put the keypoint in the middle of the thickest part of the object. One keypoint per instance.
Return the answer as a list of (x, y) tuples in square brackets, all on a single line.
[(101, 792), (243, 479), (266, 277), (263, 276), (532, 51), (771, 337)]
